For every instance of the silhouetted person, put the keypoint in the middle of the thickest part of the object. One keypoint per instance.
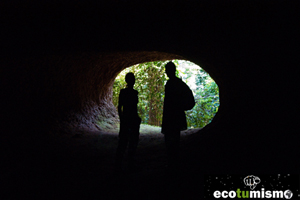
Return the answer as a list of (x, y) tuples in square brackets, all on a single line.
[(174, 119), (129, 123)]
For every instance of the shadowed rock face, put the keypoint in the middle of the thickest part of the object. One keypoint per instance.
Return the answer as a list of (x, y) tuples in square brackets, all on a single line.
[(59, 61)]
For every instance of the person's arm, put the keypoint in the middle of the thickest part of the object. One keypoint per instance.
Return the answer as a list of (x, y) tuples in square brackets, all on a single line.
[(120, 105), (137, 97)]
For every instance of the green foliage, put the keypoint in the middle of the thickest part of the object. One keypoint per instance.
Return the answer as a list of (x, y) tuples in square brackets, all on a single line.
[(150, 82), (206, 93), (207, 103)]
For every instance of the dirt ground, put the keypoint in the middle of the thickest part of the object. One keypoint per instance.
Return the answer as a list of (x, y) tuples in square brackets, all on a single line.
[(151, 152), (81, 166)]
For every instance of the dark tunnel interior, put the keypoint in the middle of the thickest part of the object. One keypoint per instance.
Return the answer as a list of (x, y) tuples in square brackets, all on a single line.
[(59, 61)]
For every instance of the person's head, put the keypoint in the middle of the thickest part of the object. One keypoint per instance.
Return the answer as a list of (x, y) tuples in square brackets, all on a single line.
[(130, 79), (170, 69)]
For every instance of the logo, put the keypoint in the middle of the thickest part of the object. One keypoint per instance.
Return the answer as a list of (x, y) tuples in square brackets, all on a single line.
[(288, 194), (251, 181)]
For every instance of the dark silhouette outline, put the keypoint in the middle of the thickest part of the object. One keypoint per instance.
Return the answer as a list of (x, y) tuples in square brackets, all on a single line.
[(174, 119), (129, 123)]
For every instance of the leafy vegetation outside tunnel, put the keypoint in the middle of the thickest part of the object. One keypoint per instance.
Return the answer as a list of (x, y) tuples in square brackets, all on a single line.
[(150, 82)]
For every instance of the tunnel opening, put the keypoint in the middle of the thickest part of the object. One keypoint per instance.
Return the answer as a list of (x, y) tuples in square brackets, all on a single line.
[(95, 124), (74, 93), (65, 96), (150, 81)]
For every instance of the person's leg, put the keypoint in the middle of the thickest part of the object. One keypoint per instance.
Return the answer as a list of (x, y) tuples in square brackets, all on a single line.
[(172, 141), (123, 141), (133, 143), (168, 142), (176, 148)]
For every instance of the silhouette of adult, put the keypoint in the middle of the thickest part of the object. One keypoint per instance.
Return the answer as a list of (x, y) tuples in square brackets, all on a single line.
[(174, 119), (129, 123)]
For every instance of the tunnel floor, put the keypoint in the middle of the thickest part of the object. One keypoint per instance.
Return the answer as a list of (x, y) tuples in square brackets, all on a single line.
[(80, 166)]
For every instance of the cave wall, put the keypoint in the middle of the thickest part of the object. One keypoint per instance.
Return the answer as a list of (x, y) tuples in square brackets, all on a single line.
[(70, 92), (59, 59)]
